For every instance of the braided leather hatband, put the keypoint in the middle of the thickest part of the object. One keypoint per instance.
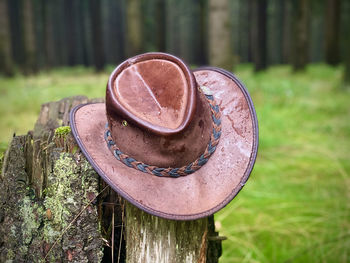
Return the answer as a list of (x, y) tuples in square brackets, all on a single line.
[(173, 172)]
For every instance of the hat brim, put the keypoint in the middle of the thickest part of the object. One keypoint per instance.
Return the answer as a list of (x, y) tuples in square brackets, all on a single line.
[(189, 197)]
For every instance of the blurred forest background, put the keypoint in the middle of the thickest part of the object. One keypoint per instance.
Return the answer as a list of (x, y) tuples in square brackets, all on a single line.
[(42, 34), (292, 55)]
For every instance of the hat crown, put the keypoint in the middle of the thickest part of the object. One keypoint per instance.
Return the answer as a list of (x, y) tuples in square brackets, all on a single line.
[(154, 91), (155, 112)]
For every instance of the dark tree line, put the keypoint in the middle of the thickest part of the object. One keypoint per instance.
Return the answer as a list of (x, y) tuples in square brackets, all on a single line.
[(41, 34)]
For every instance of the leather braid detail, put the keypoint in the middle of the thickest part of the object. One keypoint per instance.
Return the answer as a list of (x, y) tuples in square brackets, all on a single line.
[(173, 172)]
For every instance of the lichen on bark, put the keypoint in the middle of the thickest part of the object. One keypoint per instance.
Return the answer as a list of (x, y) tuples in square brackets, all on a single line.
[(70, 188), (47, 229), (20, 213)]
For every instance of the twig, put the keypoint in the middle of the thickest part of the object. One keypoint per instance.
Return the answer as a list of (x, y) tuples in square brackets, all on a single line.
[(121, 232), (203, 250), (113, 234)]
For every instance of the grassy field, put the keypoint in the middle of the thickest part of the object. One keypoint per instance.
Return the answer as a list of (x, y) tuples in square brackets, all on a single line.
[(296, 205)]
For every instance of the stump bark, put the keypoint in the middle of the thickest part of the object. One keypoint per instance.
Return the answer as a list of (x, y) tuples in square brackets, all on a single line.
[(154, 239), (55, 208)]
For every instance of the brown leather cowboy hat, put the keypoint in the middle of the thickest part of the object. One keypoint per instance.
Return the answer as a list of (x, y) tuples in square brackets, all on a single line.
[(175, 143)]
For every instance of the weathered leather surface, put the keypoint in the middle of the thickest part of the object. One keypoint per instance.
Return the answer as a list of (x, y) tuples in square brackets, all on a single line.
[(165, 150), (157, 91), (154, 91), (199, 194)]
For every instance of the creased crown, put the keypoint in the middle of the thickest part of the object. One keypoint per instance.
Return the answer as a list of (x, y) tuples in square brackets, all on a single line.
[(155, 112)]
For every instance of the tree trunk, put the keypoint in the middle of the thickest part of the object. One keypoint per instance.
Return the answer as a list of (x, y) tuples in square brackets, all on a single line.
[(250, 30), (172, 27), (70, 32), (301, 21), (259, 34), (160, 13), (347, 67), (220, 54), (286, 31), (183, 29), (16, 32), (346, 39), (48, 33), (317, 32), (244, 23), (97, 37), (30, 65), (6, 63), (114, 38), (278, 26), (202, 49), (85, 28), (39, 33), (134, 28), (332, 24), (55, 208)]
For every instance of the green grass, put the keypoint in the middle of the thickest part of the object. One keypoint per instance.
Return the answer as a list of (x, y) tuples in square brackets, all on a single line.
[(21, 97), (296, 205)]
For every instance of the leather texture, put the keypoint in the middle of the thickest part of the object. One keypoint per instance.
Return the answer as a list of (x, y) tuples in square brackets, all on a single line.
[(155, 91), (189, 197)]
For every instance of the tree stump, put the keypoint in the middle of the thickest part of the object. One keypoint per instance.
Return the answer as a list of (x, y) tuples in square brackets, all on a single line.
[(153, 239), (55, 208)]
